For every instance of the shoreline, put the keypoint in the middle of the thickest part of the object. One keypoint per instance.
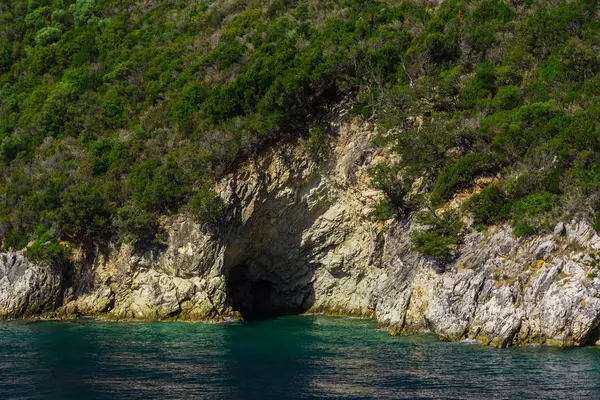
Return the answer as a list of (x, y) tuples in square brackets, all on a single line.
[(388, 330)]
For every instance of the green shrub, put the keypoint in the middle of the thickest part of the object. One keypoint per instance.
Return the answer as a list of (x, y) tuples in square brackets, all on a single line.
[(113, 109), (47, 35), (189, 102), (10, 147), (225, 55), (206, 206), (439, 47), (596, 221), (362, 109), (84, 214), (535, 204), (492, 10), (107, 155), (137, 227), (384, 210), (441, 236), (523, 185), (34, 4), (485, 78), (52, 253), (508, 97), (460, 176), (5, 56), (527, 213), (386, 177), (93, 90), (490, 206), (317, 141), (60, 19), (83, 11), (157, 186), (14, 241)]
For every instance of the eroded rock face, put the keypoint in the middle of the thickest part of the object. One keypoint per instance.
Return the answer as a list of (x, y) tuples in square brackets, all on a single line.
[(500, 291), (299, 238), (27, 290)]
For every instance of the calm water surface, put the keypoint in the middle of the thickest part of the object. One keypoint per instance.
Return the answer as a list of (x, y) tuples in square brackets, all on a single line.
[(292, 357)]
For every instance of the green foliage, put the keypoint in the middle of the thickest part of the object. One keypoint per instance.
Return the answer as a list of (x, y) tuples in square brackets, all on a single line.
[(138, 104), (362, 109), (441, 236), (488, 207), (83, 11), (528, 212), (84, 214), (596, 222), (205, 206), (317, 141), (384, 210), (157, 186), (189, 102), (10, 147), (47, 35), (13, 241), (460, 175), (529, 115), (5, 56), (51, 253), (386, 177), (34, 4), (137, 227), (508, 97)]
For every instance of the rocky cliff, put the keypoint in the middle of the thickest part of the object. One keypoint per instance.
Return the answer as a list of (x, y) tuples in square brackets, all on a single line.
[(299, 237)]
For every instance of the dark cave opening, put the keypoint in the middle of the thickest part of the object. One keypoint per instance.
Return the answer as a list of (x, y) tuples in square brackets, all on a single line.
[(256, 296)]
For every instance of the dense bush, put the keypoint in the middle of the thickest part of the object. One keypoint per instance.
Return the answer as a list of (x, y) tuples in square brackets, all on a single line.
[(317, 141), (488, 207), (157, 186), (205, 206), (528, 213), (140, 102), (51, 253), (47, 35), (508, 97), (84, 214), (384, 210), (137, 227), (511, 91), (386, 178), (441, 236), (460, 175)]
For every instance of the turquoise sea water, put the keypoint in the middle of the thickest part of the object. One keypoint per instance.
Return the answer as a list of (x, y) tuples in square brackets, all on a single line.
[(291, 357)]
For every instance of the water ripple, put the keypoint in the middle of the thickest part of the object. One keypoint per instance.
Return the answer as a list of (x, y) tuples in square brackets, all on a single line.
[(295, 357)]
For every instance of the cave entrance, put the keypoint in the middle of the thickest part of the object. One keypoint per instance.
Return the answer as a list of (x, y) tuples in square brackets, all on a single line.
[(258, 296)]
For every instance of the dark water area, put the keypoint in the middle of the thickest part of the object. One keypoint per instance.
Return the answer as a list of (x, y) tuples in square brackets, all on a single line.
[(309, 357)]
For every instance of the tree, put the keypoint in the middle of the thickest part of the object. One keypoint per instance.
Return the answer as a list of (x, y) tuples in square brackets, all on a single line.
[(157, 186), (84, 215), (47, 35), (206, 206), (83, 11)]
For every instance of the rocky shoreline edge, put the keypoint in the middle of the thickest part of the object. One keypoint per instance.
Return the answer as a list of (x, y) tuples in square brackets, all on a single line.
[(299, 237)]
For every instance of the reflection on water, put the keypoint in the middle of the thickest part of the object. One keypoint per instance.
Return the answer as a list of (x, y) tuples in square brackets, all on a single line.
[(292, 357)]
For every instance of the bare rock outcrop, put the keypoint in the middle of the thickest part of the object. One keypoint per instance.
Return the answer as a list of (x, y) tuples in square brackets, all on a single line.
[(27, 290), (501, 291)]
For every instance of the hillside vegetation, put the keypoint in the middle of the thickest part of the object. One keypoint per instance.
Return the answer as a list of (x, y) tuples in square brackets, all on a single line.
[(115, 112)]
